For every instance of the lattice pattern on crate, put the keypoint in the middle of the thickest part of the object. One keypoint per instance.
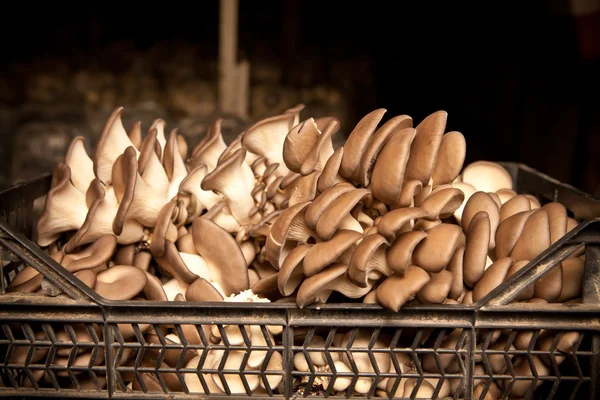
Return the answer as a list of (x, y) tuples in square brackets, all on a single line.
[(216, 359), (52, 356), (374, 362), (516, 363)]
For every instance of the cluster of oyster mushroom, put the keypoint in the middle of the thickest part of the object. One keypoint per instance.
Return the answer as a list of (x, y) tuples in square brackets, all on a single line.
[(279, 214)]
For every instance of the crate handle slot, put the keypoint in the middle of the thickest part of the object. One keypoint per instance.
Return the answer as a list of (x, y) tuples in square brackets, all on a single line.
[(585, 232), (34, 256)]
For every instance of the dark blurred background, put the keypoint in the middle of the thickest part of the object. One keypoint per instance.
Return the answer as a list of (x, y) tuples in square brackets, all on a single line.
[(518, 79)]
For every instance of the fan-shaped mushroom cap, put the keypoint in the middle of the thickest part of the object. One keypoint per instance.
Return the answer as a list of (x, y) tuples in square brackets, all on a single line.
[(112, 142), (508, 233), (450, 158), (572, 279), (478, 202), (456, 268), (193, 382), (486, 176), (135, 134), (468, 190), (164, 230), (64, 210), (435, 251), (399, 254), (196, 199), (337, 214), (159, 125), (221, 215), (201, 290), (326, 253), (534, 238), (526, 293), (333, 278), (505, 194), (120, 282), (437, 289), (222, 254), (398, 221), (266, 138), (425, 146), (227, 179), (173, 164), (323, 201), (291, 273), (396, 290), (154, 288), (305, 189), (374, 146), (478, 239), (409, 191), (368, 261), (298, 143), (81, 165), (442, 203), (321, 151), (209, 150), (97, 253), (492, 277), (287, 231), (150, 167), (136, 199), (514, 205), (389, 170), (557, 220), (357, 142), (330, 174)]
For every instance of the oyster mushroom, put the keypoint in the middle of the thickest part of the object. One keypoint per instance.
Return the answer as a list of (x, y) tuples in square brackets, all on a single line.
[(486, 176), (120, 282), (330, 175), (210, 148), (326, 253), (437, 289), (194, 198), (400, 253), (292, 272), (337, 214), (476, 250), (434, 252), (368, 261), (80, 164), (396, 290), (399, 221), (173, 164), (450, 158), (65, 208)]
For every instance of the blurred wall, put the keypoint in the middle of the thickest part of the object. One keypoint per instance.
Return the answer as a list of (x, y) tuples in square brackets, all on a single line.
[(518, 79)]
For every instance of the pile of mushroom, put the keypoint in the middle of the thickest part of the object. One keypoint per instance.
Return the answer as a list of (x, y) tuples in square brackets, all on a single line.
[(279, 214)]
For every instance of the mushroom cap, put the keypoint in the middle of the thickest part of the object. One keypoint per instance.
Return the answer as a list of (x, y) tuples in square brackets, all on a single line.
[(97, 253), (573, 270), (173, 164), (487, 176), (456, 268), (508, 233), (389, 170), (80, 164), (528, 292), (478, 202), (323, 201), (154, 289), (298, 144), (331, 219), (135, 134), (210, 148), (368, 261), (478, 238), (289, 226), (357, 142), (505, 194), (443, 203), (396, 290), (425, 146), (321, 151), (120, 282), (222, 253), (450, 158), (325, 253), (534, 238), (398, 221), (399, 254), (437, 289), (201, 290), (492, 277), (375, 144), (306, 188), (514, 205), (330, 174), (410, 190), (435, 251), (164, 229), (291, 273)]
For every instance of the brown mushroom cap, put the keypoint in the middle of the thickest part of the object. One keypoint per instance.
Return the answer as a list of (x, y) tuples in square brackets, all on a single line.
[(321, 151), (316, 208), (375, 144), (120, 282), (80, 164), (399, 254), (333, 216), (154, 289), (425, 146), (357, 142), (396, 290), (478, 238), (330, 174), (478, 202), (288, 229), (508, 233), (450, 158), (437, 289), (164, 229), (526, 293), (325, 253), (410, 190), (456, 268), (291, 273), (94, 255), (210, 148), (515, 205), (435, 251), (222, 253), (298, 143), (306, 188), (535, 237), (398, 221), (388, 172), (201, 290), (572, 280), (368, 261), (492, 277), (442, 203)]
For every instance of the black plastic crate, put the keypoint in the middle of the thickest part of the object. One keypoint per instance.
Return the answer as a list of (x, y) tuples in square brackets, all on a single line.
[(80, 345)]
